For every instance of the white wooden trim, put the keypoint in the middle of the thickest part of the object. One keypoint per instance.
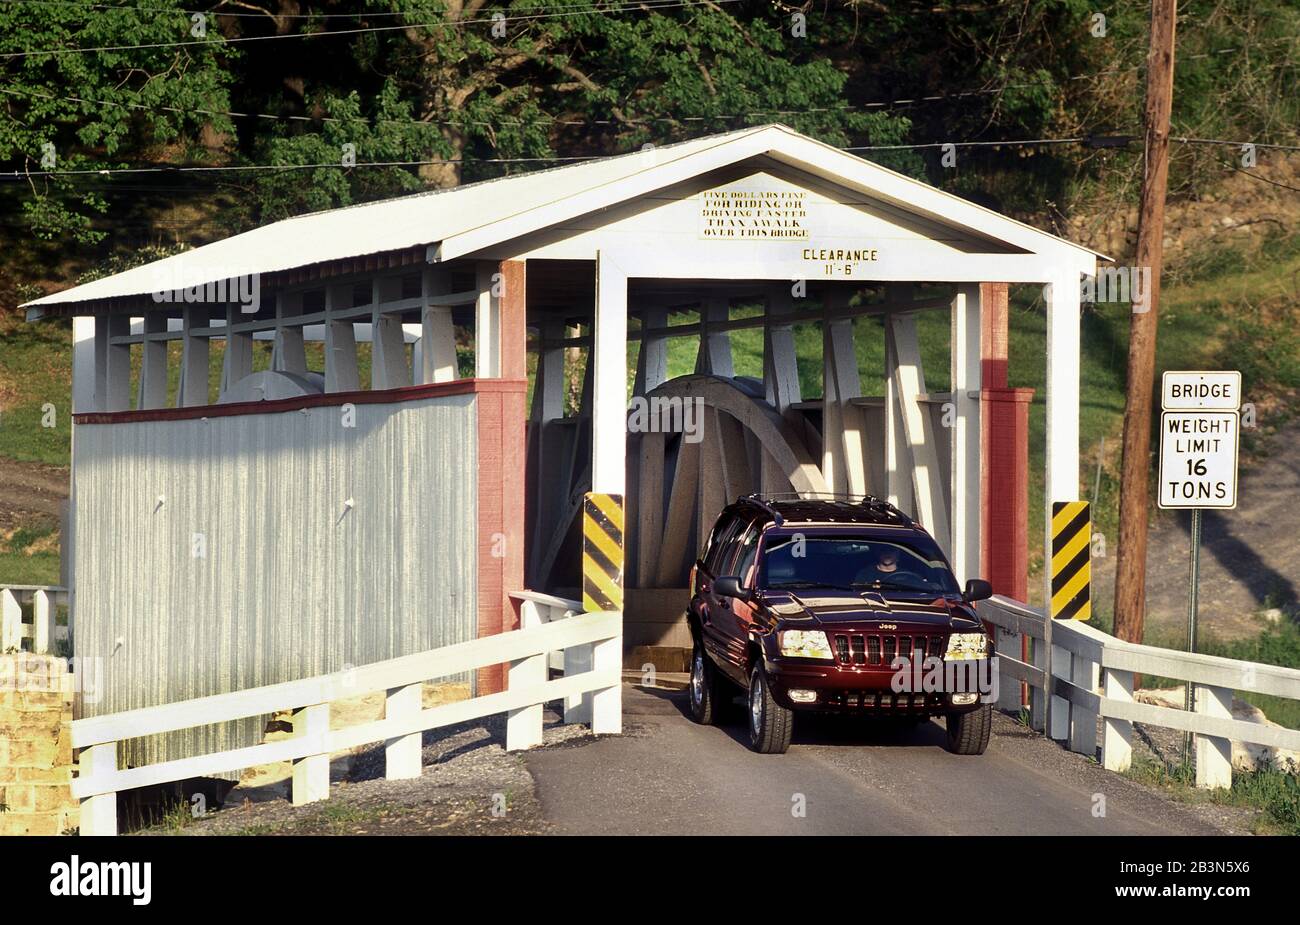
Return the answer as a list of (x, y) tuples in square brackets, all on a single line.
[(966, 382), (438, 361), (1062, 453), (1094, 677), (409, 669), (487, 323), (83, 364), (314, 741), (609, 381)]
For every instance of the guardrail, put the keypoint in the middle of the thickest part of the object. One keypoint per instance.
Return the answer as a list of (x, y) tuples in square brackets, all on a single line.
[(41, 602), (536, 609), (528, 688), (1092, 678)]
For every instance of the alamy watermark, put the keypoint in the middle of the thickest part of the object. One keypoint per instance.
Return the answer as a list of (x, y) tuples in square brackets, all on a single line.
[(663, 414)]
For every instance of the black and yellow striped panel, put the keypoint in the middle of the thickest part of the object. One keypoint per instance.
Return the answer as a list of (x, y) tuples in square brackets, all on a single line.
[(1071, 560), (602, 552)]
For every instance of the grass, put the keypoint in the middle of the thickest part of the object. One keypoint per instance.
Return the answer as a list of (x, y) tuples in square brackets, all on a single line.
[(1274, 794), (29, 555)]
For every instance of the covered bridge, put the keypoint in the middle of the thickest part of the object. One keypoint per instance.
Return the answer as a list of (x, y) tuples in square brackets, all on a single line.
[(297, 514)]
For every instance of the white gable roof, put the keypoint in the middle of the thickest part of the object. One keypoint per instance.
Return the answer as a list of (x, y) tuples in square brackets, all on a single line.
[(466, 219)]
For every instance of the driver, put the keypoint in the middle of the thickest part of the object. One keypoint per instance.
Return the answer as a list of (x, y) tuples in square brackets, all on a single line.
[(885, 566)]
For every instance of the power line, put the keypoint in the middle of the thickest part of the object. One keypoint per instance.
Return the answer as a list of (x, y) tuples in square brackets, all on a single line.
[(235, 15), (252, 168), (551, 120), (640, 6)]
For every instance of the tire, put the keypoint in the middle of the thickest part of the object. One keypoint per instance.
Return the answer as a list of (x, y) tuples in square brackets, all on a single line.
[(770, 724), (707, 690), (968, 733)]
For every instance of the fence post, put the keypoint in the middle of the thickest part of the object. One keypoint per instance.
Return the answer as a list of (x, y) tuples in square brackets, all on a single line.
[(1083, 722), (1009, 690), (311, 775), (524, 724), (1038, 695), (1117, 734), (98, 813), (607, 704), (577, 707), (402, 754), (11, 622), (1213, 755), (42, 623), (1062, 659)]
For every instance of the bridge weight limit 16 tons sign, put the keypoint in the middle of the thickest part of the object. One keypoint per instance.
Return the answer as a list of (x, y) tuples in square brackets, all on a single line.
[(1199, 431)]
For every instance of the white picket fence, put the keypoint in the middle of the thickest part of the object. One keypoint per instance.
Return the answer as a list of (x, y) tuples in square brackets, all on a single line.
[(526, 650), (1092, 677), (41, 603)]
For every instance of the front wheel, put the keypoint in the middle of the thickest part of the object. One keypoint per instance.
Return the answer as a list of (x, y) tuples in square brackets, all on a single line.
[(968, 733), (770, 724)]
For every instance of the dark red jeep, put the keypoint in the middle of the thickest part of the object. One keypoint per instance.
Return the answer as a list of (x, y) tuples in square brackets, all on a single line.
[(841, 606)]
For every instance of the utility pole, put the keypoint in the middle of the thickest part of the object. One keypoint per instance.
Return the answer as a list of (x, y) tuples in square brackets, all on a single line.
[(1130, 578)]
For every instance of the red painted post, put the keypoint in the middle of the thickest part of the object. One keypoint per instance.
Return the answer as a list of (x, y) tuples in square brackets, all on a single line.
[(1004, 470), (502, 422)]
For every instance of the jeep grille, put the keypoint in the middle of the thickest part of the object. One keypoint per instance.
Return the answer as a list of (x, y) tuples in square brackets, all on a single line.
[(881, 648)]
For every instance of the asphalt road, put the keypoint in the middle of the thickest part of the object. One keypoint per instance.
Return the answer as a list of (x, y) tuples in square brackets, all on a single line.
[(666, 775)]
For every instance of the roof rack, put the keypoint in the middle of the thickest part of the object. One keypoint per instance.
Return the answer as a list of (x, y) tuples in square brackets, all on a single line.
[(869, 501), (756, 499)]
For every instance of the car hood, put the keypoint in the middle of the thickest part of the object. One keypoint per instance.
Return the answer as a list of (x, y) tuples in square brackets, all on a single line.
[(840, 608)]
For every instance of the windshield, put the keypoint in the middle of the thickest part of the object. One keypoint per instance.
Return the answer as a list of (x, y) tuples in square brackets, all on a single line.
[(851, 563)]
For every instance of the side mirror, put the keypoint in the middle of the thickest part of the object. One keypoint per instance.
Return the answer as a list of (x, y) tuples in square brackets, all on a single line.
[(730, 587), (977, 589)]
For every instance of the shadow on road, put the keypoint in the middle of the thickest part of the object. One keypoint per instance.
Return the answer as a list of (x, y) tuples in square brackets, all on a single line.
[(823, 729)]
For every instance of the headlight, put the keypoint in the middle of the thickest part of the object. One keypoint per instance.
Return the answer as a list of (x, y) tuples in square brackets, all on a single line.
[(805, 644), (967, 645)]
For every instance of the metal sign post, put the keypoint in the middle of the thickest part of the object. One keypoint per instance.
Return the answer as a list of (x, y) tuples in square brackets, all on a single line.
[(1199, 437)]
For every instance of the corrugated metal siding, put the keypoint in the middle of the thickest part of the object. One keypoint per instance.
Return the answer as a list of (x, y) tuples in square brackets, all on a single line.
[(250, 570)]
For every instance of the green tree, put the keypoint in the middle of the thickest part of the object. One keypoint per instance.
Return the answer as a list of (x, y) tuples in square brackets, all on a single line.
[(62, 109)]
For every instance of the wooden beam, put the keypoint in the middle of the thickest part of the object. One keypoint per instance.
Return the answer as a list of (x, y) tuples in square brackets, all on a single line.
[(388, 367), (438, 361), (909, 376), (780, 365), (289, 355), (195, 354), (340, 345)]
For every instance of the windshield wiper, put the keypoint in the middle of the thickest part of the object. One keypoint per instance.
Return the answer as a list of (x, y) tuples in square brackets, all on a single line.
[(808, 584), (889, 586)]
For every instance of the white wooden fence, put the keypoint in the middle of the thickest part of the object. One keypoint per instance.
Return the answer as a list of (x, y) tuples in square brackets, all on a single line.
[(41, 602), (528, 688), (1092, 677)]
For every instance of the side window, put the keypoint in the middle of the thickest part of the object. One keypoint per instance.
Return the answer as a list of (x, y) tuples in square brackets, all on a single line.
[(721, 547), (748, 549)]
